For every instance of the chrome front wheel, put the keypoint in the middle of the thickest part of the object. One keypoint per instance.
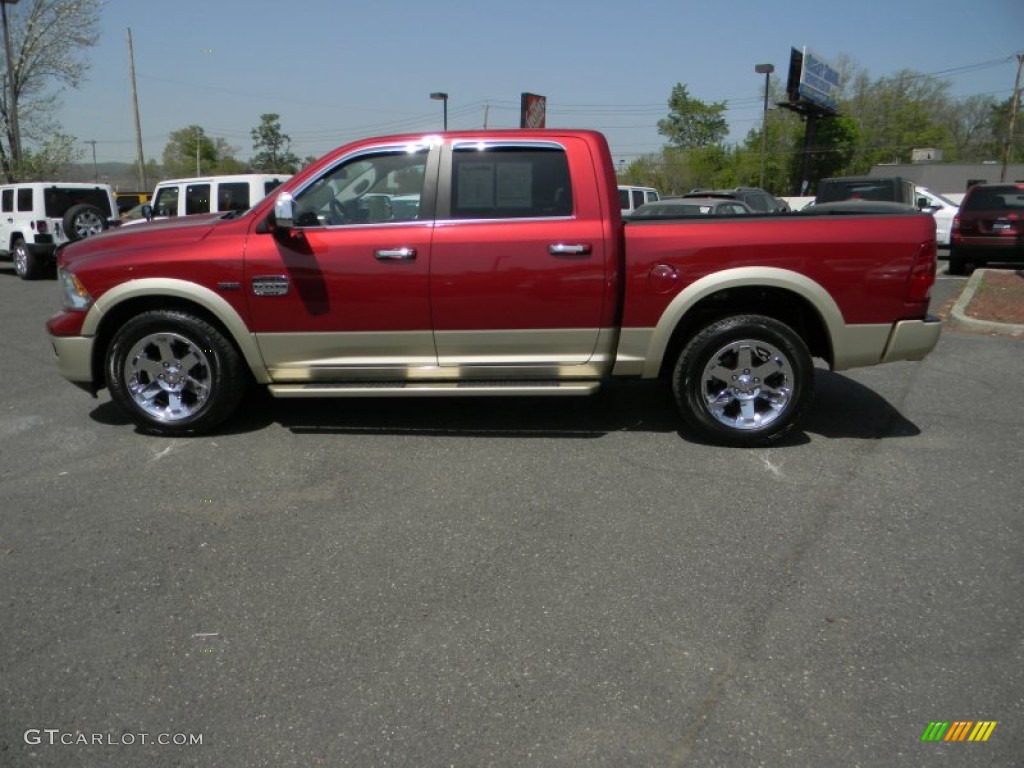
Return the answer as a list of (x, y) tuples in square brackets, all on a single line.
[(174, 373), (168, 376)]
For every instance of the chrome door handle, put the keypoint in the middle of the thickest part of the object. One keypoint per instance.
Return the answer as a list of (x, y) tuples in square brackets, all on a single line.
[(395, 254), (565, 249)]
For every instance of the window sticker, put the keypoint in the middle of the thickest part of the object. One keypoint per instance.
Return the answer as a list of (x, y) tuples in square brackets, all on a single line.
[(476, 185), (515, 182)]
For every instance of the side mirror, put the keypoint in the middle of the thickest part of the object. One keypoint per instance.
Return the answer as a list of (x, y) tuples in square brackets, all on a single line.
[(284, 211), (147, 212), (924, 205)]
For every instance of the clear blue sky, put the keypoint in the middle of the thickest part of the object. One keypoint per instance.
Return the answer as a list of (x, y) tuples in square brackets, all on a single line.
[(336, 70)]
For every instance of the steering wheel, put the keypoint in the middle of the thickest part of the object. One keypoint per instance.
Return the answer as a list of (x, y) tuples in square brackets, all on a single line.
[(338, 215)]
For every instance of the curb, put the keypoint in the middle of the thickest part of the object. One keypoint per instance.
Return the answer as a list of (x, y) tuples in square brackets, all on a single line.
[(959, 311)]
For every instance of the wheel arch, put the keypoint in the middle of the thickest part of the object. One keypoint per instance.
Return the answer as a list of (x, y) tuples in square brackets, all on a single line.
[(114, 308), (780, 294)]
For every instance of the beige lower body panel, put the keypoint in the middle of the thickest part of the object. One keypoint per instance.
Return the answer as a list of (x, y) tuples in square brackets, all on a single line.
[(533, 355), (853, 346), (74, 357)]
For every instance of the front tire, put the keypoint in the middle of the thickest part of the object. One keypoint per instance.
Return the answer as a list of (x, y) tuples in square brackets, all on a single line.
[(174, 373), (743, 381)]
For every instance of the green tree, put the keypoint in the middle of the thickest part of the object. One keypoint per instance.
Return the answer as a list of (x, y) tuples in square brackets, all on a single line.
[(48, 41), (999, 127), (272, 147), (692, 124), (51, 159), (190, 152)]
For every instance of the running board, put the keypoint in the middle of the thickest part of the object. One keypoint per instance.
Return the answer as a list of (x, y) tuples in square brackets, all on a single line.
[(435, 388)]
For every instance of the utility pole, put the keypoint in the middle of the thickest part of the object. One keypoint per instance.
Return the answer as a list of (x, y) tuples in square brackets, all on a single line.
[(12, 96), (199, 140), (1014, 106), (95, 173), (139, 158)]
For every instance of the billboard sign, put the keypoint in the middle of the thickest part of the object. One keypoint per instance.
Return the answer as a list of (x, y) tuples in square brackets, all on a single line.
[(812, 80), (533, 111)]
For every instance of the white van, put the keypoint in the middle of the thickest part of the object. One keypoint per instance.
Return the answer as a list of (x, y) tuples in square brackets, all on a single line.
[(212, 194), (631, 198), (942, 210)]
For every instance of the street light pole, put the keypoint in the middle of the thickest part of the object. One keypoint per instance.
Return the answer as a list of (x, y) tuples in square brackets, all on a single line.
[(12, 99), (766, 70), (442, 97)]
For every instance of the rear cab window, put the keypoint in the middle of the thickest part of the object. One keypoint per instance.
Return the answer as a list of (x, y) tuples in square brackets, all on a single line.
[(504, 182)]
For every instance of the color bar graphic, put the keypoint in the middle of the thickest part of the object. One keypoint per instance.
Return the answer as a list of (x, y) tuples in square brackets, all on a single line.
[(959, 730)]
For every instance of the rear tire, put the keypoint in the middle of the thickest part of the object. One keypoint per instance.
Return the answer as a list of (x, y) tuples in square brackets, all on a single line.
[(743, 381), (27, 265), (174, 373)]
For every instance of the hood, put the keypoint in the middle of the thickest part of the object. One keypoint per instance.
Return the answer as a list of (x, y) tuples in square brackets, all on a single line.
[(140, 237)]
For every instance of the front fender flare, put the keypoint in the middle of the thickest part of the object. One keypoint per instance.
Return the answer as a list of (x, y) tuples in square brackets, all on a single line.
[(214, 303)]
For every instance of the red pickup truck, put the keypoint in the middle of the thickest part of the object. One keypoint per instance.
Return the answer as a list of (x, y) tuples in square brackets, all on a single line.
[(486, 263)]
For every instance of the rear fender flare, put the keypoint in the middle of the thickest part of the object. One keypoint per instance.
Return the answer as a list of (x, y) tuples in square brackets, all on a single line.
[(815, 294)]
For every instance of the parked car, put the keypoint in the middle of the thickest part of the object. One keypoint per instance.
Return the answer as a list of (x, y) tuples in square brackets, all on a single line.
[(671, 208), (988, 228), (631, 198), (210, 194), (128, 200), (758, 200), (36, 217), (519, 278), (942, 210)]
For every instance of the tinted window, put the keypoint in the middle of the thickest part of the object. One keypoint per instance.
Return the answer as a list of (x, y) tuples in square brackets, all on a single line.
[(166, 202), (510, 182), (623, 198), (270, 186), (197, 199), (359, 191), (7, 204), (994, 198), (638, 198), (233, 196), (57, 200), (25, 199)]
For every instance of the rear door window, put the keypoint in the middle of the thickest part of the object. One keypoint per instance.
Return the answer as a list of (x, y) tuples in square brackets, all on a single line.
[(510, 182), (25, 200), (197, 199)]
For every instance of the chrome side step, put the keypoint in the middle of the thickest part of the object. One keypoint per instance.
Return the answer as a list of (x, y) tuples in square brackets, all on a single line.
[(435, 388)]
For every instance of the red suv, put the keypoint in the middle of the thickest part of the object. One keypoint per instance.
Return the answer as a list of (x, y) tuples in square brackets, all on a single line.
[(989, 227)]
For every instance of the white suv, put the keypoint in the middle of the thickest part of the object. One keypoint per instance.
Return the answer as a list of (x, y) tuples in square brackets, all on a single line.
[(38, 216), (210, 194)]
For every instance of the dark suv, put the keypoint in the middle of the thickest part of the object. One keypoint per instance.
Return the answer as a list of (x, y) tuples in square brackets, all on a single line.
[(989, 227), (756, 199)]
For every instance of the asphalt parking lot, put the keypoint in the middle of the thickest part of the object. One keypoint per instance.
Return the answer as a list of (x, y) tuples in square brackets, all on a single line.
[(513, 582)]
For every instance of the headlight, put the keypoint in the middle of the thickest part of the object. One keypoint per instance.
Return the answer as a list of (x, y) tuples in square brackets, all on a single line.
[(73, 294)]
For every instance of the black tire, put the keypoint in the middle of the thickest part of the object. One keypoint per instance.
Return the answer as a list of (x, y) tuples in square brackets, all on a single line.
[(82, 221), (174, 373), (743, 381), (955, 266), (27, 265)]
